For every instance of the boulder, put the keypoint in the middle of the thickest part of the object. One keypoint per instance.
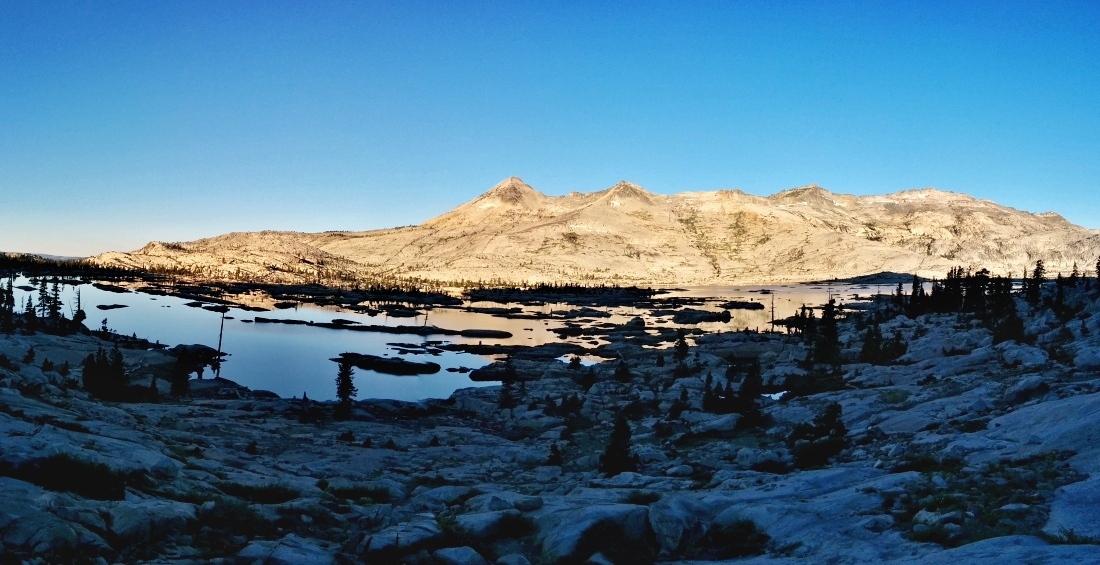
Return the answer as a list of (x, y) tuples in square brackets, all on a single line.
[(26, 528), (1076, 508), (290, 550), (561, 533), (1027, 356), (727, 423), (485, 525), (1028, 387), (677, 520), (1088, 359), (419, 532), (459, 556), (513, 559), (142, 521), (680, 471)]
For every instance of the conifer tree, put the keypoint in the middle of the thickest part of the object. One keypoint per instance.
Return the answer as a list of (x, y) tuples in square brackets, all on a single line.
[(53, 311), (872, 345), (30, 320), (827, 344), (104, 374), (618, 458), (681, 347), (43, 298), (1035, 283), (345, 390), (7, 308), (554, 459), (622, 372), (708, 394)]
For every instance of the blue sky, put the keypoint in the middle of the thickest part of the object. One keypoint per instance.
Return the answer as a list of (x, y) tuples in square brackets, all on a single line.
[(125, 122)]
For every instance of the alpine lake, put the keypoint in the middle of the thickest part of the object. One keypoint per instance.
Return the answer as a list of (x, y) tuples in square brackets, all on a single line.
[(295, 356)]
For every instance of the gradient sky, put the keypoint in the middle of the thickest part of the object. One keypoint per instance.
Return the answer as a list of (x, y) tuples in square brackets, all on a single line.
[(125, 122)]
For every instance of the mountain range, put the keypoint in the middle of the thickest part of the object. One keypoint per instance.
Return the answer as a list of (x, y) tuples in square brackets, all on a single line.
[(628, 235)]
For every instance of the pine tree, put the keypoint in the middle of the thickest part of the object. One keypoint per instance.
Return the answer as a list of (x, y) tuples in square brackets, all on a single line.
[(30, 320), (54, 309), (43, 298), (681, 347), (1073, 276), (345, 390), (104, 374), (622, 372), (872, 345), (709, 398), (554, 459), (7, 308), (1035, 283), (827, 345), (618, 457)]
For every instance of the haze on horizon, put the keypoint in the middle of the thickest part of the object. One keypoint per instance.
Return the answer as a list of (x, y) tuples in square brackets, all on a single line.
[(122, 123)]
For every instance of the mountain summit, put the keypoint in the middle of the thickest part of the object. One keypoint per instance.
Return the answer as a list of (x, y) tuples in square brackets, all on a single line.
[(625, 234)]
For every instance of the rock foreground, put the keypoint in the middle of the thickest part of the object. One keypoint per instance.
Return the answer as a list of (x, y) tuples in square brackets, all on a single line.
[(626, 235), (959, 451)]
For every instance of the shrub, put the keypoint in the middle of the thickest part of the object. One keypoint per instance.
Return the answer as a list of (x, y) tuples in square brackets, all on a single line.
[(227, 525), (815, 443)]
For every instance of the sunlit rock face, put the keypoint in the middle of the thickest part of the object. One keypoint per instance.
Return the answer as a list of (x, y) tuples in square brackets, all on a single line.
[(628, 235)]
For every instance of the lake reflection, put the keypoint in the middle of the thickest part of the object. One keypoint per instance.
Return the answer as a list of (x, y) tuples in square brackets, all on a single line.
[(291, 359)]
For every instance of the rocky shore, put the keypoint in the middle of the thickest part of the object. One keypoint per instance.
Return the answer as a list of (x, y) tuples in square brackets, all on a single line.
[(959, 450)]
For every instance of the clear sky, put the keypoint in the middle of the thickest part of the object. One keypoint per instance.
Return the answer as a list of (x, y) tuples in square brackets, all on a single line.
[(125, 122)]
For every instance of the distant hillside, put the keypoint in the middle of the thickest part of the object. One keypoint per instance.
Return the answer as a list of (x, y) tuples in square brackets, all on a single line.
[(628, 235)]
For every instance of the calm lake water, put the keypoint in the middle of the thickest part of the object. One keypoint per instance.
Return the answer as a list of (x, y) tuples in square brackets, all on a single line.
[(292, 359)]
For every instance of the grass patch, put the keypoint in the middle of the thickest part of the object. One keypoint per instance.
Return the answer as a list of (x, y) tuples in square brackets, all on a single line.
[(264, 494), (641, 497), (378, 495), (227, 526), (893, 396), (969, 505), (1070, 537)]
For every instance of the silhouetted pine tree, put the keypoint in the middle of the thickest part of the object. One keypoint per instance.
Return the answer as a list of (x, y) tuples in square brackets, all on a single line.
[(7, 308), (1035, 283), (345, 390), (827, 345), (618, 457), (681, 347), (104, 375), (622, 372), (872, 345)]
